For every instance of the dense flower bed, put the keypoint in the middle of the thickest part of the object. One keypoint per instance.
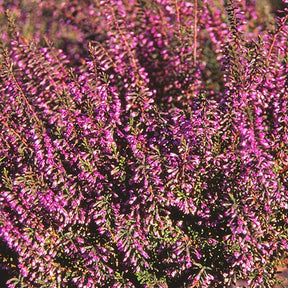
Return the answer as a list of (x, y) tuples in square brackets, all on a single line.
[(143, 143)]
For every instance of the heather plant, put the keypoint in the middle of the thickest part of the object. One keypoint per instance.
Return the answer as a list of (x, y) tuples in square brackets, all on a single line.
[(143, 143)]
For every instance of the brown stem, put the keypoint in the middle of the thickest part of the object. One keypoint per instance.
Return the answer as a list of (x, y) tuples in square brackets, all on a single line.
[(195, 31), (178, 16), (275, 36)]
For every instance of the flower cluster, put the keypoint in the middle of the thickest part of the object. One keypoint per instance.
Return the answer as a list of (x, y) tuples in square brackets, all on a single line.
[(143, 143)]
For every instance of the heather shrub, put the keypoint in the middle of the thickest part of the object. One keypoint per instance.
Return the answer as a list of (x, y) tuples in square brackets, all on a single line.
[(143, 143)]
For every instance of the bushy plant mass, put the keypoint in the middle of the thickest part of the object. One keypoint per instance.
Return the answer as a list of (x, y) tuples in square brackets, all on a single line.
[(144, 143)]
